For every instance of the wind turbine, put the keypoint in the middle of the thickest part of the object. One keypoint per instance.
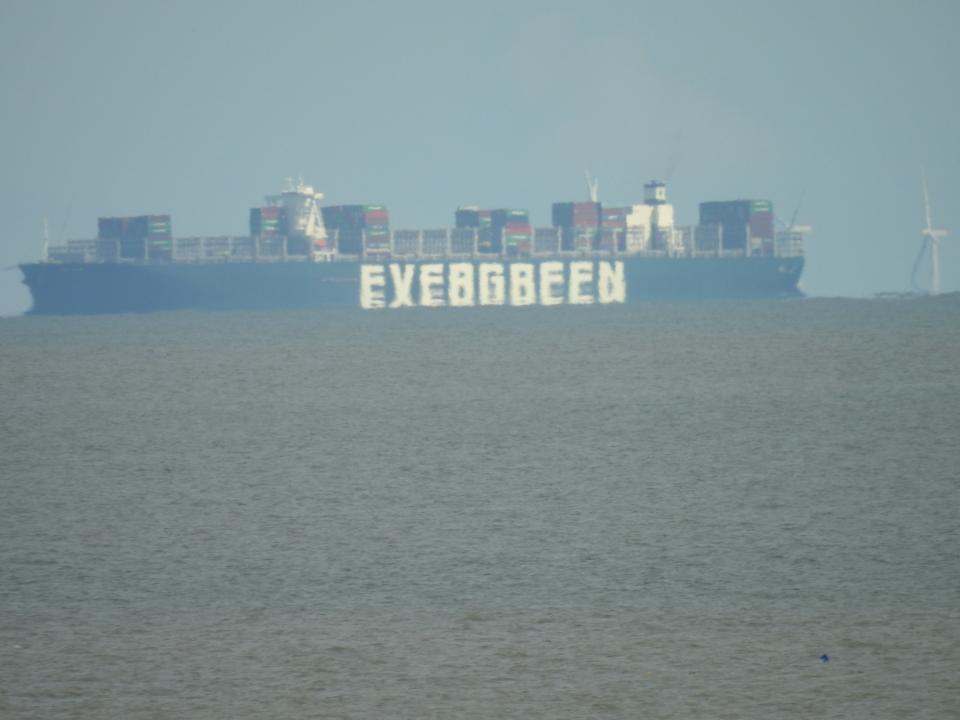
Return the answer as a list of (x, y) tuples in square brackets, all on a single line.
[(44, 240), (929, 244)]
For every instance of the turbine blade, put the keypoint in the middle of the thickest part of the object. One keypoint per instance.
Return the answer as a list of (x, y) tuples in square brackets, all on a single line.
[(926, 199)]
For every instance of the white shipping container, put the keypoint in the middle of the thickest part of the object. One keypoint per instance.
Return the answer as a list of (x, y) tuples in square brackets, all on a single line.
[(683, 238), (663, 217), (637, 239), (640, 216)]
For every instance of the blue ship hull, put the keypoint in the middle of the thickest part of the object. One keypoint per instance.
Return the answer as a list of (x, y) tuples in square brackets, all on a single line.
[(96, 288)]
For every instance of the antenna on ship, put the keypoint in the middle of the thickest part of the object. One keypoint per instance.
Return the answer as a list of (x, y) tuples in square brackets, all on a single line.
[(929, 244), (796, 211), (593, 186)]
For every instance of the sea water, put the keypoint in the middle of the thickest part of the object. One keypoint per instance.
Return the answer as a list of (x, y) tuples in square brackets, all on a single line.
[(692, 510)]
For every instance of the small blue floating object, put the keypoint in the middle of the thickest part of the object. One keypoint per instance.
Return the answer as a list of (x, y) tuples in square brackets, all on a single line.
[(824, 658)]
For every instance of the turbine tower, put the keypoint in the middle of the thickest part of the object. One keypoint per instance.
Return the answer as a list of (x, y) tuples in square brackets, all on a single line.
[(44, 240), (929, 244)]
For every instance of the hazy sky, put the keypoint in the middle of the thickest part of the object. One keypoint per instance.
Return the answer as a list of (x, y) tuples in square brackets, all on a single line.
[(198, 109)]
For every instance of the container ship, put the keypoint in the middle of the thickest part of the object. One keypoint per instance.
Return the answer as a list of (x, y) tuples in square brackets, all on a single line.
[(300, 253)]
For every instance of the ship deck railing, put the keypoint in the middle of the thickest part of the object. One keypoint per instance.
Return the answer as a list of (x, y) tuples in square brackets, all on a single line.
[(403, 245)]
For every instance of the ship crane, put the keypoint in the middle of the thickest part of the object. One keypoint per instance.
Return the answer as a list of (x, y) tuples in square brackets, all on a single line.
[(593, 186), (790, 238), (928, 245)]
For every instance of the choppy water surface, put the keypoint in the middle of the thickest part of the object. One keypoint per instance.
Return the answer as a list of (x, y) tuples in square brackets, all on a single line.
[(663, 511)]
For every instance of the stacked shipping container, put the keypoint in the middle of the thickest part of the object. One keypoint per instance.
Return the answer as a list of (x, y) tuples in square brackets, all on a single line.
[(469, 217), (144, 237), (267, 222), (579, 224), (746, 225), (505, 230), (359, 227), (159, 238), (511, 231), (270, 228), (473, 218), (613, 227)]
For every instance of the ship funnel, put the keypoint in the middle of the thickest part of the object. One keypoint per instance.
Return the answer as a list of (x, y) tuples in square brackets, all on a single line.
[(655, 193)]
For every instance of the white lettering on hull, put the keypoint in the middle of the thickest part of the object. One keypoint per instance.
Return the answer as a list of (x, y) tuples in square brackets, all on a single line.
[(551, 279), (402, 276), (460, 285), (612, 286), (372, 286), (523, 288), (581, 283), (491, 283), (431, 285), (464, 284)]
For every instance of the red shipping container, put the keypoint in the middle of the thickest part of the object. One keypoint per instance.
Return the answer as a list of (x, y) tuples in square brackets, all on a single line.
[(761, 225)]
